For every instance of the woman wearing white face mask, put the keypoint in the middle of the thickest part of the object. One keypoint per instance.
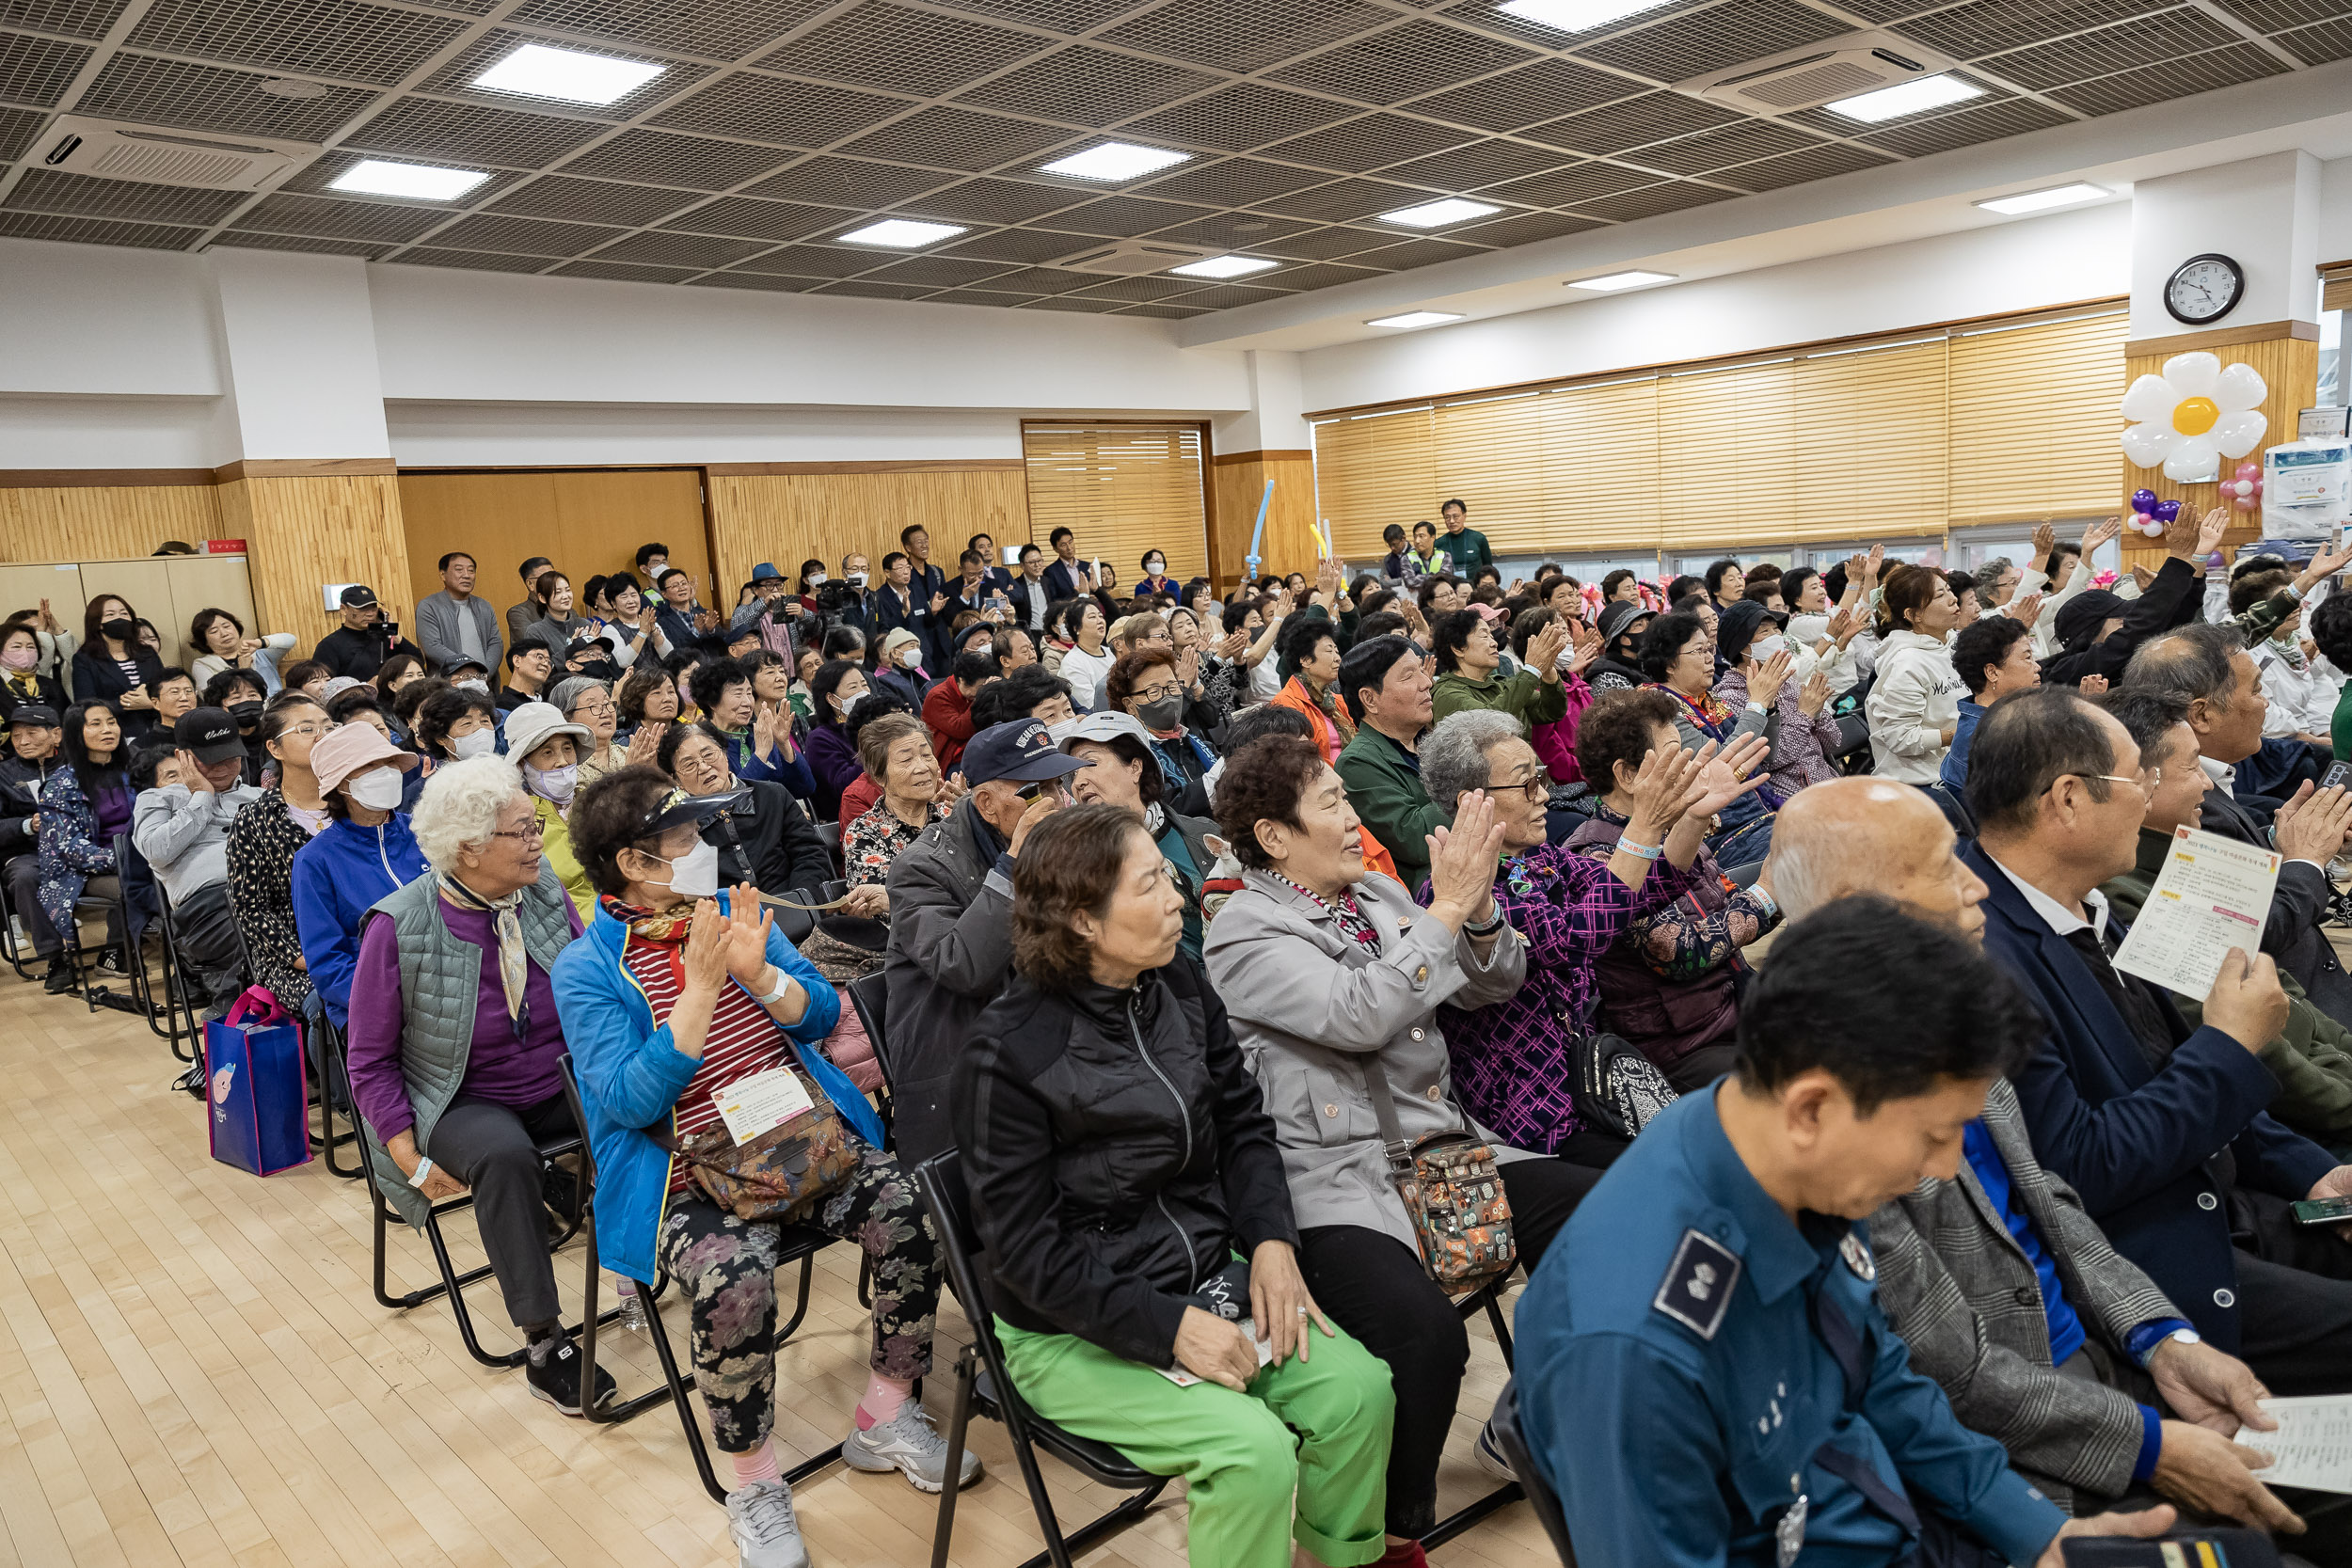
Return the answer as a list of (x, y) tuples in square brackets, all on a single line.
[(456, 724), (548, 750), (1803, 737), (364, 852), (761, 834)]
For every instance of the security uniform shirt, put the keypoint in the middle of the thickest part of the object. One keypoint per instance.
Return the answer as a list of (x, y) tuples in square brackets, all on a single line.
[(1703, 1382)]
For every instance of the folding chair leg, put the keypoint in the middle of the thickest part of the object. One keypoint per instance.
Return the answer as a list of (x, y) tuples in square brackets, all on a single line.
[(1501, 1328), (1501, 1498), (800, 1307), (678, 1384), (620, 1410), (959, 1421)]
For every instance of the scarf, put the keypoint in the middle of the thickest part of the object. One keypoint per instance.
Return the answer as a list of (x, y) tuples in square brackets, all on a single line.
[(666, 928), (1346, 913), (1708, 711), (1328, 703), (514, 959)]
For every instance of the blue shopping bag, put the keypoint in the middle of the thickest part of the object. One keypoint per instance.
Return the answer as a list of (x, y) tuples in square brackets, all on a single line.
[(257, 1087)]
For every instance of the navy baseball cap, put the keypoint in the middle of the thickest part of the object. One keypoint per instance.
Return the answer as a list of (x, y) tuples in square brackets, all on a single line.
[(1023, 751), (39, 716), (210, 733), (357, 597)]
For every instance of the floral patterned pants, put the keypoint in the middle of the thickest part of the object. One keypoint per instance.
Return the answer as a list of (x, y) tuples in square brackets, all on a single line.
[(727, 1269)]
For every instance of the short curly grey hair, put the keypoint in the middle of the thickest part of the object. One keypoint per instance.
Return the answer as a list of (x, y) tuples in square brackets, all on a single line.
[(460, 806), (1989, 580), (1453, 754)]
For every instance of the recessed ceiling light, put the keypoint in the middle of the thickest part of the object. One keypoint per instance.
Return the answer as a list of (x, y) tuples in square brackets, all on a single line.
[(2035, 201), (539, 72), (1115, 160), (291, 86), (424, 181), (1436, 214), (1610, 282), (1905, 98), (1575, 16), (1224, 266), (1415, 318), (901, 234)]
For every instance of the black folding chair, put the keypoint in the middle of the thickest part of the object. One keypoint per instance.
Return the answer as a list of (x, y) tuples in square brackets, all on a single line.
[(1490, 1301), (983, 1383), (832, 890), (831, 834), (177, 1004), (452, 1283), (799, 1244), (1540, 1495), (332, 1093), (130, 874), (19, 953)]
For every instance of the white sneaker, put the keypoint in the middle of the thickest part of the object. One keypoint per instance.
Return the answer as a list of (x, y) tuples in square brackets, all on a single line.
[(766, 1531), (1490, 1455), (908, 1443)]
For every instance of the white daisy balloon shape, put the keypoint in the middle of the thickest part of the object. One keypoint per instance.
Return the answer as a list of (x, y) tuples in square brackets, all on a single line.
[(2198, 412)]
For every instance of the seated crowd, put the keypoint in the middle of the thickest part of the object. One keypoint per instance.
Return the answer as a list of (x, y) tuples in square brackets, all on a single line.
[(1925, 1235)]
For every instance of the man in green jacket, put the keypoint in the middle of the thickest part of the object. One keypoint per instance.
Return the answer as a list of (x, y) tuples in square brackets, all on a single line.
[(2312, 1056), (1467, 657), (1385, 683), (1464, 545)]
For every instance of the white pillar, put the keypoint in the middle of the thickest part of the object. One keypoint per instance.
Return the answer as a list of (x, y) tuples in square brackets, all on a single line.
[(298, 352), (2263, 212)]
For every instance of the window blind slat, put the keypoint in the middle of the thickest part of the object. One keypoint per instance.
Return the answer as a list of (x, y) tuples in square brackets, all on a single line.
[(1122, 489), (2033, 420), (1372, 472)]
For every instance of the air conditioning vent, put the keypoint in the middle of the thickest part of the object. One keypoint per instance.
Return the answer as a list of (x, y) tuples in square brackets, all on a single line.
[(1133, 258), (1817, 74), (111, 151)]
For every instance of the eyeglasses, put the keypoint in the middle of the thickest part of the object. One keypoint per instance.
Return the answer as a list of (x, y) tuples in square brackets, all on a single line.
[(535, 831), (1032, 791), (307, 731), (1537, 786), (1160, 693)]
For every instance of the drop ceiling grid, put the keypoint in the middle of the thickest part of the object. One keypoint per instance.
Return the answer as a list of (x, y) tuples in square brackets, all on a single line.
[(1386, 103)]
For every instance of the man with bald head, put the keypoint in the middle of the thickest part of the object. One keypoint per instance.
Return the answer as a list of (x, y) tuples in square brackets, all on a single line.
[(1845, 836)]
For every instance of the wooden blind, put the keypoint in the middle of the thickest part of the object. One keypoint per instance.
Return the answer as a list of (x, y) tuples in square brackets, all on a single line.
[(1727, 457), (1601, 470), (2033, 420), (1871, 443), (1374, 472), (2336, 289), (1122, 490)]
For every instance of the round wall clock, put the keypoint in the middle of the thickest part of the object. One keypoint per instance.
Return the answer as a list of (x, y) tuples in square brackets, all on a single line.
[(2204, 288)]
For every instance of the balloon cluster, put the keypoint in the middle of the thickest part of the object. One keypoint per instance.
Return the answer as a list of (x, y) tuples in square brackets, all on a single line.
[(2245, 490), (2149, 514)]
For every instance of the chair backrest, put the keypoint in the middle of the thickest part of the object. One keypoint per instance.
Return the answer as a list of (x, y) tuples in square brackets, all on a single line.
[(871, 996), (941, 1179), (835, 889), (1540, 1495), (795, 923)]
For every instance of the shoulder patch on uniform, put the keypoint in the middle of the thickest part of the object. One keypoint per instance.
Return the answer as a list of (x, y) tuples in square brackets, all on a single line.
[(1698, 1284)]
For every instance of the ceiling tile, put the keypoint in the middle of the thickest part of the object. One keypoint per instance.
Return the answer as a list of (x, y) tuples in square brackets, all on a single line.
[(1133, 290), (1316, 245), (753, 281), (1319, 275), (949, 138), (1072, 302), (1544, 90), (850, 183), (283, 214), (1238, 118), (468, 132), (2329, 40), (1228, 295), (1167, 312), (1243, 36), (1733, 144), (681, 250), (1795, 168), (558, 195), (1635, 122), (902, 49), (1233, 181), (1123, 217), (346, 39), (318, 176), (1573, 186), (1480, 164), (716, 29), (1414, 253), (1065, 16), (769, 109), (18, 127), (150, 91), (939, 272), (1526, 228), (1650, 202), (991, 202), (815, 261), (983, 293), (1357, 146), (82, 196), (1020, 245), (1230, 232), (1087, 86), (1968, 127), (660, 158), (1419, 56), (2264, 16), (472, 261), (240, 238), (143, 236), (2143, 41), (1984, 28), (1344, 200), (78, 18), (1037, 281), (1709, 39), (620, 273), (35, 71), (871, 289), (524, 236), (456, 78), (2174, 79), (751, 216)]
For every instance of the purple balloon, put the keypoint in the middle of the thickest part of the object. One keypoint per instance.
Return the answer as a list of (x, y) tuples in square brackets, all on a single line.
[(2143, 501), (2166, 511)]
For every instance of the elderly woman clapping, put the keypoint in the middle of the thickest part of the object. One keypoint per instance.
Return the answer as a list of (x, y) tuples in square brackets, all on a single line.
[(455, 1040)]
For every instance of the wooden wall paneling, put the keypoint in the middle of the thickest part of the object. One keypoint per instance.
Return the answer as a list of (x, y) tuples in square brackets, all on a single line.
[(501, 519), (2290, 366), (602, 516), (61, 583), (80, 523), (146, 584), (204, 582), (789, 517), (1239, 480), (306, 532)]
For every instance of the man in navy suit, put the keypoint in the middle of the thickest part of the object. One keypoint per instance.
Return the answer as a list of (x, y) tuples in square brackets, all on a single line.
[(2161, 1129)]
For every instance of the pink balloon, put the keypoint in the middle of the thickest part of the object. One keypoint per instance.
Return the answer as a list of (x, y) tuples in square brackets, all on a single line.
[(2249, 469)]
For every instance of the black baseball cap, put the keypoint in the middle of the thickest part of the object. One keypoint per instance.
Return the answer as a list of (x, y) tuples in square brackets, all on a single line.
[(209, 733), (1023, 751), (357, 596), (677, 806), (40, 716)]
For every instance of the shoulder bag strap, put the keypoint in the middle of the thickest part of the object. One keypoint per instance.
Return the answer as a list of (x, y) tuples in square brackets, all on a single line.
[(1392, 1142)]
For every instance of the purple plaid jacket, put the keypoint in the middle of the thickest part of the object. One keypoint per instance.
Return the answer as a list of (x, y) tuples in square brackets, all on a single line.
[(1511, 1058)]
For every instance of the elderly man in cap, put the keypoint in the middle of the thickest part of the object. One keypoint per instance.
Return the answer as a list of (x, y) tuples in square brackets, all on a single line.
[(360, 646), (182, 829), (951, 919), (35, 733)]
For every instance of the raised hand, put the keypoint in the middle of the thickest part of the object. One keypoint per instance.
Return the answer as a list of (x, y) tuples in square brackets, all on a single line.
[(1235, 644), (2025, 607), (1462, 861), (2093, 685), (1765, 679), (1814, 695), (2209, 530), (1587, 648), (2104, 532), (1877, 563), (706, 956), (1667, 783), (1545, 648), (1726, 778), (2044, 541), (748, 923)]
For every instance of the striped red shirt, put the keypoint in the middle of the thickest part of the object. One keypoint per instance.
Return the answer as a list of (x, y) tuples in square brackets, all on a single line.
[(743, 1040)]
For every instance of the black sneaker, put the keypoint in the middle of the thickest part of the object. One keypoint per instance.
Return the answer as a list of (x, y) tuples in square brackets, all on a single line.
[(60, 978), (556, 1379)]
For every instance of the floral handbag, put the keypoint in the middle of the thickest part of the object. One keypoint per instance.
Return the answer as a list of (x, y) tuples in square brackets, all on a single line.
[(784, 1174), (1452, 1194)]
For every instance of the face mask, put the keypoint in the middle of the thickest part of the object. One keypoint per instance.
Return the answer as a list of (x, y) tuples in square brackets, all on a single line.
[(694, 874), (1165, 714), (554, 784), (1153, 568), (378, 791), (20, 659), (909, 658), (855, 579), (476, 685), (121, 630), (814, 579), (1764, 648), (481, 743), (983, 649), (245, 714)]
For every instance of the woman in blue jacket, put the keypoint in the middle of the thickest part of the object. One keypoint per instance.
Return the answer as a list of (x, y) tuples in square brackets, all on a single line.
[(676, 994), (365, 852)]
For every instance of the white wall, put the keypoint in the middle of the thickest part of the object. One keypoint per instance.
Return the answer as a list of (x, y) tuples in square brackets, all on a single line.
[(2023, 265), (2262, 211), (89, 432), (466, 434), (82, 319)]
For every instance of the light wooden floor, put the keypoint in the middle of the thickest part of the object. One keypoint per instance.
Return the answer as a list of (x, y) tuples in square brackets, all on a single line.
[(193, 1370)]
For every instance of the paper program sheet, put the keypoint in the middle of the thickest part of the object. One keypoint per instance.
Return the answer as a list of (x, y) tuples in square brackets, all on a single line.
[(2312, 1446), (2213, 895)]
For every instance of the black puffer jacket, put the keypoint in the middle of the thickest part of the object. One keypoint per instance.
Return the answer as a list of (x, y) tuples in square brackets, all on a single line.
[(1117, 1153)]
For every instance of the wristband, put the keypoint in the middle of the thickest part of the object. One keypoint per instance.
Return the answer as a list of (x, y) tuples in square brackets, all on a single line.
[(424, 1169), (1489, 927), (1641, 851), (784, 983)]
